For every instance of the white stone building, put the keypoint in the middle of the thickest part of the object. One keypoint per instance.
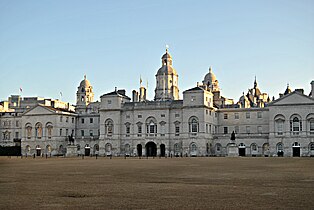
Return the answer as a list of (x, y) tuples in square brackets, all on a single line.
[(200, 124)]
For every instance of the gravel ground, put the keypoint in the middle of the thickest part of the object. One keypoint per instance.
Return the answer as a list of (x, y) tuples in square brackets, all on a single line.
[(167, 183)]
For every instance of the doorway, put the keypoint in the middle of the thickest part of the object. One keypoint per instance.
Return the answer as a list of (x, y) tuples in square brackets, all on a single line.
[(87, 151), (139, 150), (162, 150), (242, 150), (151, 149), (296, 150)]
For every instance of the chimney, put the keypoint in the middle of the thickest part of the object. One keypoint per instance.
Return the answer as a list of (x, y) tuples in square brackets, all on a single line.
[(121, 92), (312, 89), (299, 91), (134, 96)]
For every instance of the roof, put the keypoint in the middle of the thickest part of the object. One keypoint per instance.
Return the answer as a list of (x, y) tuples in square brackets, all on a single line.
[(195, 88)]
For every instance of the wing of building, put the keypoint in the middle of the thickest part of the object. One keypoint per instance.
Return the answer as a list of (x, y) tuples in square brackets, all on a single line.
[(202, 123)]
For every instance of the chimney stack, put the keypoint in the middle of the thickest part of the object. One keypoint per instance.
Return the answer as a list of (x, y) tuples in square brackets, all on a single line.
[(312, 89)]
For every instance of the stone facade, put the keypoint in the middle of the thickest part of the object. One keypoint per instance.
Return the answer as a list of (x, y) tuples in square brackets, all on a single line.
[(200, 124)]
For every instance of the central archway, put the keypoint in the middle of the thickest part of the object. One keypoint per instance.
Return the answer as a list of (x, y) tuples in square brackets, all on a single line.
[(151, 149)]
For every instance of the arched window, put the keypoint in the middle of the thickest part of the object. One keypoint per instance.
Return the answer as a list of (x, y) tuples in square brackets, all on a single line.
[(279, 124), (108, 147), (38, 130), (311, 146), (193, 125), (151, 126), (279, 147), (295, 125), (218, 147), (176, 148), (109, 127), (49, 130), (310, 123), (193, 147), (28, 128), (254, 147), (127, 149)]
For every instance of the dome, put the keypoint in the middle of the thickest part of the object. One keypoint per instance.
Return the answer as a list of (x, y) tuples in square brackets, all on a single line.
[(209, 78), (85, 82), (166, 55), (166, 70)]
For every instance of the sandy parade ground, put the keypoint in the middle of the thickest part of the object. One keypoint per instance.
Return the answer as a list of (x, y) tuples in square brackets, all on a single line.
[(166, 183)]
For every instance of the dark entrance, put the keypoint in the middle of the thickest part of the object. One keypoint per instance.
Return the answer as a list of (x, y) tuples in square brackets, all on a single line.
[(241, 151), (139, 150), (162, 150), (296, 151), (38, 152), (87, 151), (280, 153), (151, 149)]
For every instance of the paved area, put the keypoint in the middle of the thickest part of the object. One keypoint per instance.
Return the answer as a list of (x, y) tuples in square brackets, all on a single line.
[(167, 183)]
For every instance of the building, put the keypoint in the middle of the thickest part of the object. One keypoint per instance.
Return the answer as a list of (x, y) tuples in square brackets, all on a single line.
[(200, 124)]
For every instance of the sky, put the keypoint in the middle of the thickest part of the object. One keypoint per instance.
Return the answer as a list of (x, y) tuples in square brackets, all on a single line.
[(47, 46)]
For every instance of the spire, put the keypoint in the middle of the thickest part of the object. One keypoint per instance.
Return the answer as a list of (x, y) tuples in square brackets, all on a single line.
[(210, 69), (255, 82)]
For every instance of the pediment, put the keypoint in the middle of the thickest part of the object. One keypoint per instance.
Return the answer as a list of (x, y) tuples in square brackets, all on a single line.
[(39, 110), (294, 98)]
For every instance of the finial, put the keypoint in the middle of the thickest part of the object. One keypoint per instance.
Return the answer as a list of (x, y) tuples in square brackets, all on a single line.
[(167, 47), (141, 81), (85, 76), (210, 68)]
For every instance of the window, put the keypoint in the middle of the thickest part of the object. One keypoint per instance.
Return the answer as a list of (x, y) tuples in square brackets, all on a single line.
[(60, 132), (248, 129), (127, 116), (6, 135), (49, 131), (17, 123), (177, 129), (259, 115), (176, 148), (162, 115), (152, 128), (259, 129), (193, 125), (247, 115), (193, 98), (295, 126), (254, 147), (72, 119), (67, 119), (139, 128), (225, 130), (206, 128), (218, 147), (312, 127), (236, 129), (127, 129), (16, 135), (279, 147), (109, 101), (236, 116), (312, 146), (29, 130), (177, 115), (82, 120), (91, 133), (279, 126), (139, 116), (82, 133), (66, 132), (225, 116), (162, 129), (91, 120), (109, 127), (206, 112), (38, 130), (60, 118)]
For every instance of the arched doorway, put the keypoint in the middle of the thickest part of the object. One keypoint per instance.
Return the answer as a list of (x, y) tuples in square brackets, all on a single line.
[(162, 150), (296, 149), (151, 149), (242, 150), (266, 149), (280, 151), (139, 150), (87, 150)]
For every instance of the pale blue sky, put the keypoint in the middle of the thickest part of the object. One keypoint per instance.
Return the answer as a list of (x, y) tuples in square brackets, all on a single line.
[(47, 46)]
